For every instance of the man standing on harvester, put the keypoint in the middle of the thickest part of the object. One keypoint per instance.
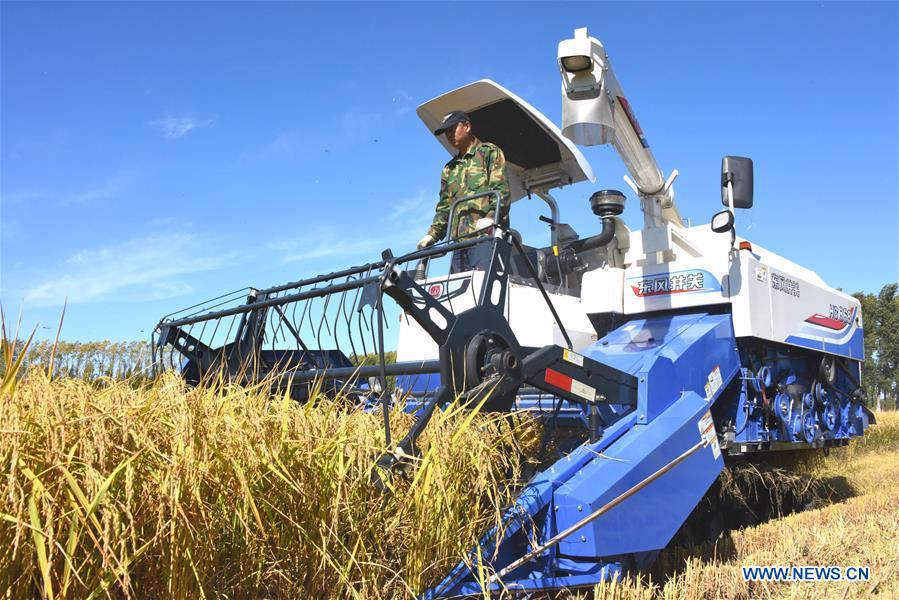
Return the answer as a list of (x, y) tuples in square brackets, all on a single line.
[(478, 167)]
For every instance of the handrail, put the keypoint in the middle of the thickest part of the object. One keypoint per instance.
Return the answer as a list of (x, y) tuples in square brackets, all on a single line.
[(497, 208)]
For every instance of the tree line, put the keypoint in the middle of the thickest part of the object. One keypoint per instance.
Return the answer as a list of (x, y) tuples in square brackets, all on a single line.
[(880, 371), (117, 360), (88, 360)]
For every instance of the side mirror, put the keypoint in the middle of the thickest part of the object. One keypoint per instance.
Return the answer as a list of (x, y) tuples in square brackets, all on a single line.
[(723, 221), (737, 171)]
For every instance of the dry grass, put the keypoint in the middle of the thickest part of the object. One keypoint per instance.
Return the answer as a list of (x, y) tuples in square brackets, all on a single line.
[(862, 529), (166, 491)]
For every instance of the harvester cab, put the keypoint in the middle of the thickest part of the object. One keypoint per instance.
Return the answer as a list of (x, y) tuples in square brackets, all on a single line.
[(539, 159), (670, 348)]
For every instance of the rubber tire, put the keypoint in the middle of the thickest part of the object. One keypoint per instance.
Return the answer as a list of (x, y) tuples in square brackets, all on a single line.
[(827, 370)]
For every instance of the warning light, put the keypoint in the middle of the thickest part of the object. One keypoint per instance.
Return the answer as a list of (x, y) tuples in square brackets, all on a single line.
[(745, 246)]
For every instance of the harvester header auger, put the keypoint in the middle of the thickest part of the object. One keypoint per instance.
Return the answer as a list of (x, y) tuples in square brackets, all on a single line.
[(652, 355)]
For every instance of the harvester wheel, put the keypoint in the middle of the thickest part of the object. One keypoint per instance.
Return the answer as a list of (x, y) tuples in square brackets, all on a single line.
[(827, 370)]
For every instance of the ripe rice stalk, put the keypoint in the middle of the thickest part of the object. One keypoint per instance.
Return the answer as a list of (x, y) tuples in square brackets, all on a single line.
[(10, 363), (162, 490)]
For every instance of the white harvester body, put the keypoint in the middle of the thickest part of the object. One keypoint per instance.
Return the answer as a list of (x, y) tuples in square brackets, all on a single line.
[(663, 267)]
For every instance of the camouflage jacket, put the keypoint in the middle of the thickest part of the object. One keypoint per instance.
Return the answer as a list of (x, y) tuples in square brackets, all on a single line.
[(480, 169)]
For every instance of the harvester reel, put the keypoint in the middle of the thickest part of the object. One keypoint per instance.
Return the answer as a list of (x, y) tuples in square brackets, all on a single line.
[(480, 361)]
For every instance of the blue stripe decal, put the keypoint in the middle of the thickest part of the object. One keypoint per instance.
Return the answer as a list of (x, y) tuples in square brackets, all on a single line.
[(853, 348)]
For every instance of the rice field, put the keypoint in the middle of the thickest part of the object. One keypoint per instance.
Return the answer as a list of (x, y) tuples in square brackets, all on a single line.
[(163, 491)]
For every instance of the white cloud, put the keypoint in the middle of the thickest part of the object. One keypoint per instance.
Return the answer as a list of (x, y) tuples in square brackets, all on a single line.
[(105, 190), (163, 221), (331, 249), (409, 218), (319, 248), (412, 208), (405, 222), (139, 269), (174, 127)]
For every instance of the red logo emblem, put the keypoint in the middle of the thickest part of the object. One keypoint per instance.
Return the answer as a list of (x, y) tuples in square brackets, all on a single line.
[(435, 290)]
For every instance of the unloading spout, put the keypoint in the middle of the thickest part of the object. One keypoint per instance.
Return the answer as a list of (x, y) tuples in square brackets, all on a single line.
[(595, 111)]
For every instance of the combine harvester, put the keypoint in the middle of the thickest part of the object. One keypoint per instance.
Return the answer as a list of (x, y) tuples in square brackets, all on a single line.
[(670, 349)]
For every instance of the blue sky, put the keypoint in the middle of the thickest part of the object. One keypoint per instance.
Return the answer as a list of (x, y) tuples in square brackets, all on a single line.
[(157, 154)]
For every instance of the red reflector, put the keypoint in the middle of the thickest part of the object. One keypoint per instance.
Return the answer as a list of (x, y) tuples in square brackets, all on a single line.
[(745, 246), (556, 379)]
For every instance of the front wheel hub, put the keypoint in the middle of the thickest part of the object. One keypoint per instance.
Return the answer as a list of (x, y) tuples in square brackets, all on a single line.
[(488, 354)]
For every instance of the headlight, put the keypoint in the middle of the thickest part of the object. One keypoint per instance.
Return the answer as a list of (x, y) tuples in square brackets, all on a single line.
[(576, 64), (723, 221)]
